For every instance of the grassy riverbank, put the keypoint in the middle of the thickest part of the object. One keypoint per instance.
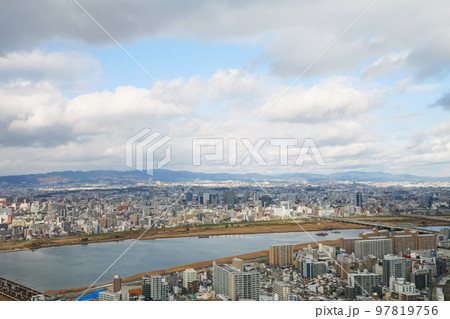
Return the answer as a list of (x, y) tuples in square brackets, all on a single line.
[(276, 226)]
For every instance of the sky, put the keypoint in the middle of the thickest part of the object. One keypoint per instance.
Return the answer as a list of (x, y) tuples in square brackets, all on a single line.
[(366, 81)]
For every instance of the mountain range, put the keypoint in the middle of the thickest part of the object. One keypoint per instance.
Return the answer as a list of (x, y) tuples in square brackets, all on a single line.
[(111, 177)]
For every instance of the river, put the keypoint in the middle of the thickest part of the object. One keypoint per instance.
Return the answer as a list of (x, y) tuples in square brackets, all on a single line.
[(79, 265)]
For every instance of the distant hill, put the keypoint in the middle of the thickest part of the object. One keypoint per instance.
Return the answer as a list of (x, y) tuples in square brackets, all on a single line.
[(110, 177)]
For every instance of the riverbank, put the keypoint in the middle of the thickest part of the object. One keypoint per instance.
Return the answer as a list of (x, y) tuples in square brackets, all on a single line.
[(260, 227), (198, 265), (281, 226), (4, 298)]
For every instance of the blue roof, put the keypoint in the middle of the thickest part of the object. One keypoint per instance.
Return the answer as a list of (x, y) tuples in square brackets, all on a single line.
[(92, 295)]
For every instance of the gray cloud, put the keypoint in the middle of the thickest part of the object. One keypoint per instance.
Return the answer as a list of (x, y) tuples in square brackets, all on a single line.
[(443, 101), (68, 71), (294, 32)]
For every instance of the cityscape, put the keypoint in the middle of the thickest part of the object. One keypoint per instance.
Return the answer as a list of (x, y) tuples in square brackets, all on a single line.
[(202, 159), (401, 250)]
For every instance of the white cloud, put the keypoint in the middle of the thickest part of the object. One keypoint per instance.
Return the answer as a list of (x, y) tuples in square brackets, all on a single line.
[(71, 70), (385, 65), (36, 116), (334, 98)]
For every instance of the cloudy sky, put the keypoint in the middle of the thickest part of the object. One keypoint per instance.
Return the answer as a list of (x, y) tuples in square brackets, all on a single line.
[(373, 97)]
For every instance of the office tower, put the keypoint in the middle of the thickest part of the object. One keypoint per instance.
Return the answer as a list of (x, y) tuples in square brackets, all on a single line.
[(188, 276), (238, 263), (358, 199), (213, 199), (159, 290), (421, 278), (441, 266), (364, 283), (311, 268), (117, 283), (146, 285), (229, 198), (188, 196), (306, 267), (395, 266), (206, 198), (400, 243), (281, 255), (319, 268), (375, 247), (281, 289), (236, 285)]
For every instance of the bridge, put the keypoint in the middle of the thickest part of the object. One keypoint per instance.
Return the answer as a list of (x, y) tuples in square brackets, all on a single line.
[(444, 219), (380, 225), (18, 292)]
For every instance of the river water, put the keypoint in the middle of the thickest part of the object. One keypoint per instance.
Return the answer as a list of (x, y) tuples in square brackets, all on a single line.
[(78, 266)]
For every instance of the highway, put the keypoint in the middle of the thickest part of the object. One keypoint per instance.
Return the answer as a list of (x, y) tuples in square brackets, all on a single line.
[(378, 225), (18, 292)]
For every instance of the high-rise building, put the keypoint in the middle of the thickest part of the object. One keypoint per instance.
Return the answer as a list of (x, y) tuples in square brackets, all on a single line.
[(189, 275), (281, 255), (245, 285), (421, 278), (395, 266), (193, 287), (213, 199), (229, 198), (425, 241), (364, 283), (117, 283), (348, 244), (206, 198), (350, 292), (401, 243), (358, 199), (311, 268), (159, 290), (375, 247), (281, 289), (319, 268), (236, 285), (146, 285)]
